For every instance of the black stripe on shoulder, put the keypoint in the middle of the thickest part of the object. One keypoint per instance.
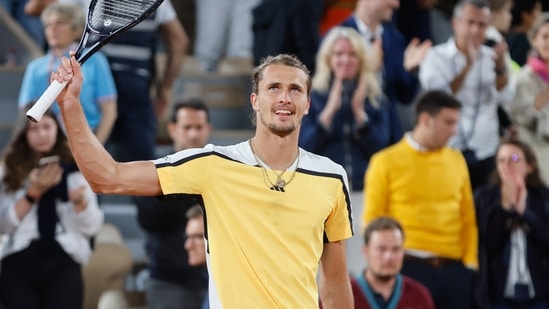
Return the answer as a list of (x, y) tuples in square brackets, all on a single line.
[(196, 156)]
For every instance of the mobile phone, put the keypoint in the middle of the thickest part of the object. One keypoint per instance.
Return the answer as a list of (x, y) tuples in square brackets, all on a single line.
[(490, 42), (48, 160)]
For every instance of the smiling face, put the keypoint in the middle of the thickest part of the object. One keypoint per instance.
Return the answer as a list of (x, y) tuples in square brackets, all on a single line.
[(344, 61), (281, 99), (42, 136)]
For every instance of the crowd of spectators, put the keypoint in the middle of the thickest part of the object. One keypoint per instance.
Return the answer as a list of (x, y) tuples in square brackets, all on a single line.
[(466, 183)]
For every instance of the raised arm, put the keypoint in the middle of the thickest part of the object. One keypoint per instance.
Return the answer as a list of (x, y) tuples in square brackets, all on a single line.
[(98, 167)]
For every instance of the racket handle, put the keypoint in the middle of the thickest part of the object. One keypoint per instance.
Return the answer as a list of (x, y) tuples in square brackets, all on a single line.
[(46, 100)]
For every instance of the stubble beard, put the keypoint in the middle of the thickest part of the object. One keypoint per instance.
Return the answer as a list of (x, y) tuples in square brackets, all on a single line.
[(278, 130)]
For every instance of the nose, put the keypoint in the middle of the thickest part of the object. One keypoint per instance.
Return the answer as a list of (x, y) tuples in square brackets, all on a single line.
[(284, 96)]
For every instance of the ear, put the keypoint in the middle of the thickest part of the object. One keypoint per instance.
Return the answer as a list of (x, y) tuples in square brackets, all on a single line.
[(308, 106), (365, 252), (171, 130), (253, 101)]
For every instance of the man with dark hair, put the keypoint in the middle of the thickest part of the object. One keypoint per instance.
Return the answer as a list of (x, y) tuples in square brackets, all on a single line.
[(174, 282), (424, 184), (478, 76), (381, 284)]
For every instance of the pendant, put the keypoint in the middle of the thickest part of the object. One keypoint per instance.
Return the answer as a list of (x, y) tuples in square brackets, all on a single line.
[(280, 182)]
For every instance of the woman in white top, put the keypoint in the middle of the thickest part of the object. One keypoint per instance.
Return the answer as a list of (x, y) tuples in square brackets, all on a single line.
[(531, 105), (48, 214)]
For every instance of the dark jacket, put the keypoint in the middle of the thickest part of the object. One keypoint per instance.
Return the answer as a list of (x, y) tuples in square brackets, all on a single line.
[(345, 143), (399, 85), (494, 241), (164, 219)]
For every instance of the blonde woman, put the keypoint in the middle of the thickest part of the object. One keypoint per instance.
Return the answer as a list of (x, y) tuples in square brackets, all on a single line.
[(531, 105), (349, 119)]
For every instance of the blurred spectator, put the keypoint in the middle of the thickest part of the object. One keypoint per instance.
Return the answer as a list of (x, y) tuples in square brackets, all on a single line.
[(194, 243), (133, 64), (525, 13), (173, 282), (424, 184), (31, 24), (280, 26), (413, 19), (478, 76), (513, 214), (349, 118), (392, 60), (381, 285), (48, 215), (530, 107), (132, 58), (223, 29), (63, 25)]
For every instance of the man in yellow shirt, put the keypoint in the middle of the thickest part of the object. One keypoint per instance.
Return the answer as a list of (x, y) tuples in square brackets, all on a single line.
[(425, 185), (275, 214)]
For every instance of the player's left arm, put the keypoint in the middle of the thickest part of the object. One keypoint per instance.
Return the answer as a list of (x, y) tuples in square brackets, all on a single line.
[(335, 284)]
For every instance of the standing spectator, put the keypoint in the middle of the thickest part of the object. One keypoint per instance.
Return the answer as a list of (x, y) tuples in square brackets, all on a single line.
[(260, 194), (132, 59), (513, 214), (477, 75), (525, 13), (530, 107), (47, 215), (223, 29), (393, 61), (63, 25), (349, 119), (194, 243), (381, 285), (279, 26), (173, 282), (424, 184)]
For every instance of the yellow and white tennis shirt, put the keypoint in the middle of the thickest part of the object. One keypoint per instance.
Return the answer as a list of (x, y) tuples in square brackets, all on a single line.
[(264, 245)]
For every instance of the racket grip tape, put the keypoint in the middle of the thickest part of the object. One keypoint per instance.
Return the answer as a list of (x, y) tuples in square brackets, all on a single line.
[(36, 112)]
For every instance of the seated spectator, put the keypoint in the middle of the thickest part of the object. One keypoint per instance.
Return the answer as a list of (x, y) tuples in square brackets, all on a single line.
[(349, 118), (530, 108), (381, 285), (424, 184), (63, 24), (48, 213), (31, 24), (513, 215), (194, 242)]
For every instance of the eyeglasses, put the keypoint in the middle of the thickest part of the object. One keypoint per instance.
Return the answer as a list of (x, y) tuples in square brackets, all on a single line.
[(194, 237), (514, 158)]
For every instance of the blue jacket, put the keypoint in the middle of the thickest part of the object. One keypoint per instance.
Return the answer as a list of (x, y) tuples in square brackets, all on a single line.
[(399, 85), (344, 143)]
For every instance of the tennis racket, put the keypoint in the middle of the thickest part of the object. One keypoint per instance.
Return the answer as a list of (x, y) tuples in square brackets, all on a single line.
[(106, 20)]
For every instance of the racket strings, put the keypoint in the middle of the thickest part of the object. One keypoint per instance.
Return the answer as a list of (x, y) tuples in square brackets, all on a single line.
[(108, 16)]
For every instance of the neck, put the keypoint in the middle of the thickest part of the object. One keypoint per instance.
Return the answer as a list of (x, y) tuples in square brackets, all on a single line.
[(420, 138), (371, 21), (277, 152), (58, 52), (383, 287)]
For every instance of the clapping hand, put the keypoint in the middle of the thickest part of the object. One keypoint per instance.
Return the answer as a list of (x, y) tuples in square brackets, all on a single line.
[(78, 198), (415, 53)]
